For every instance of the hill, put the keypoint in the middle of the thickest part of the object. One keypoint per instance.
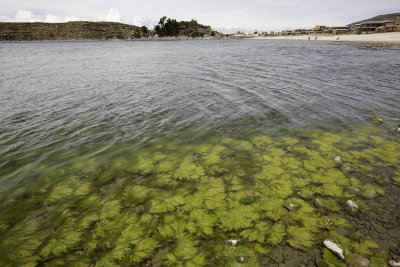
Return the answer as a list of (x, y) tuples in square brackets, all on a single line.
[(378, 18), (77, 30), (168, 27)]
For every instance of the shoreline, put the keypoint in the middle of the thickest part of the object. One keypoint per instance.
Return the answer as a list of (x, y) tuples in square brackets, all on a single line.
[(390, 41), (375, 40)]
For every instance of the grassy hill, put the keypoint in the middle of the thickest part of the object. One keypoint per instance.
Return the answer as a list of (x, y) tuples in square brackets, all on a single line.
[(378, 18), (77, 30)]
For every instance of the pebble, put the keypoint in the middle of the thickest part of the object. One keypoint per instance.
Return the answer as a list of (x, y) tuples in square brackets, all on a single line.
[(355, 260), (327, 221), (379, 228), (338, 160), (241, 259), (318, 203), (370, 193), (292, 207), (377, 120), (233, 242), (250, 193), (351, 207), (335, 248), (353, 190)]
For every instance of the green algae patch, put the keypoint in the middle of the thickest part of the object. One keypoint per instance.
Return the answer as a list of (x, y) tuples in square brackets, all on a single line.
[(178, 202)]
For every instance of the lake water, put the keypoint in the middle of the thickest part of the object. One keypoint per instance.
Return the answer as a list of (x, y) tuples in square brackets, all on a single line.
[(157, 152)]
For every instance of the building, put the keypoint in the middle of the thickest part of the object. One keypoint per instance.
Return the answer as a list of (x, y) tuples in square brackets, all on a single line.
[(319, 29), (253, 34), (372, 26), (338, 29), (239, 34), (300, 31)]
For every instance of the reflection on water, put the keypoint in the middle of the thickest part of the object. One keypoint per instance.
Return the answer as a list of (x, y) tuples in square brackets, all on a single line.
[(126, 153)]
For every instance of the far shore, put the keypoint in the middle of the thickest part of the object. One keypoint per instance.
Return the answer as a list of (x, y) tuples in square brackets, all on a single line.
[(388, 40)]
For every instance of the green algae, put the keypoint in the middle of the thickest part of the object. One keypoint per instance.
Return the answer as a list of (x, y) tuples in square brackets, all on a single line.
[(188, 199)]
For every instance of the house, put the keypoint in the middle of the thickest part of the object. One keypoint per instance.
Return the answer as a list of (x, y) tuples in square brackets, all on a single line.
[(239, 34), (253, 34), (339, 29), (372, 26), (300, 31), (319, 29)]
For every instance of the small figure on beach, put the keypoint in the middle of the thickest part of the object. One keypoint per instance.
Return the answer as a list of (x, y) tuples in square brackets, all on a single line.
[(316, 38), (309, 38)]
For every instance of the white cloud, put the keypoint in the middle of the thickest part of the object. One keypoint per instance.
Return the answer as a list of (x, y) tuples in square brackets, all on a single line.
[(113, 15), (26, 16), (141, 21), (52, 19), (5, 19), (70, 19)]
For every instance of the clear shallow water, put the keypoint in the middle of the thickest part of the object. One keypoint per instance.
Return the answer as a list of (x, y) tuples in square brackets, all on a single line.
[(83, 114)]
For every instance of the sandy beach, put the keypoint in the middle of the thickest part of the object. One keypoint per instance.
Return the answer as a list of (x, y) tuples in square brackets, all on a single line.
[(375, 37), (375, 40)]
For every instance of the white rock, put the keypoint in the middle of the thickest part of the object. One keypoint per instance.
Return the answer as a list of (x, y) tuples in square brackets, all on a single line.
[(394, 263), (233, 242), (335, 248), (398, 130), (352, 207), (338, 160)]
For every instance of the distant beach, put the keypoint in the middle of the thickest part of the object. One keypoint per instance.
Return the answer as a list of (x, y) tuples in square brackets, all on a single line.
[(389, 40)]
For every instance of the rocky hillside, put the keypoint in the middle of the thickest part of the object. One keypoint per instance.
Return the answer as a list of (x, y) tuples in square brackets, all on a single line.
[(378, 18), (77, 30)]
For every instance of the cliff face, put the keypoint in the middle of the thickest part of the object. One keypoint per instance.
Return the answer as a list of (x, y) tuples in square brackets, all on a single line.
[(78, 30)]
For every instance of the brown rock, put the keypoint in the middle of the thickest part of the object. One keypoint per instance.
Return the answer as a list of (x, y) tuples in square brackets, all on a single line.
[(377, 120), (319, 203), (292, 207), (370, 193), (379, 228), (351, 207), (355, 260), (327, 221), (250, 193)]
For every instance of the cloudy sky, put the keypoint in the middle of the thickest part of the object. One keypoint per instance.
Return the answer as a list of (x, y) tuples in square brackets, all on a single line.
[(224, 15)]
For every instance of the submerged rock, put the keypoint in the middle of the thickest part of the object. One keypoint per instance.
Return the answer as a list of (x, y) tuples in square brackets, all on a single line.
[(353, 190), (377, 120), (351, 207), (348, 169), (334, 248), (394, 263), (241, 259), (370, 193), (292, 207), (327, 221), (318, 203), (355, 260), (233, 242), (250, 193), (338, 160)]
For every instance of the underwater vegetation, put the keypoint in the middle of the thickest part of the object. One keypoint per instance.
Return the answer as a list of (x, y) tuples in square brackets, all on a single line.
[(178, 203)]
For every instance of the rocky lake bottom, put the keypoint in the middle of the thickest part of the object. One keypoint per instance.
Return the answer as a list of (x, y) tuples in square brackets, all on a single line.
[(253, 200)]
